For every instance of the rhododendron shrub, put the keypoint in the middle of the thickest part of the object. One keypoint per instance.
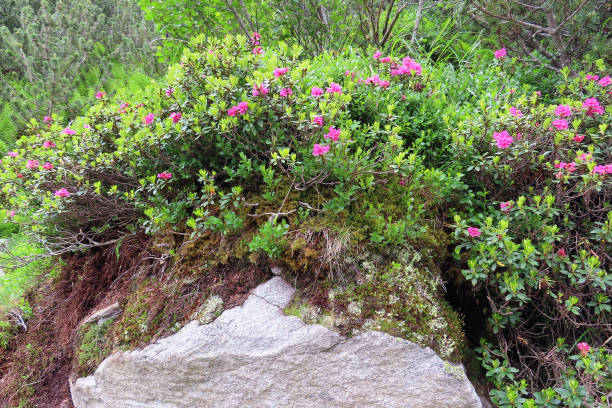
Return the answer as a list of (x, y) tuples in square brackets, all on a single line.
[(542, 254), (223, 118)]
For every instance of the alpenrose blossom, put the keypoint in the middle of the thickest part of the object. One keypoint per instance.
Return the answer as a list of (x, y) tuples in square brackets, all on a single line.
[(409, 67), (164, 175), (503, 139), (149, 119), (255, 37), (318, 120), (48, 166), (515, 112), (561, 253), (19, 175), (10, 214), (100, 95), (279, 72), (592, 106), (32, 164), (386, 60), (12, 154), (47, 144), (590, 77), (333, 134), (563, 111), (286, 92), (560, 124), (334, 88), (259, 90), (47, 119), (605, 81), (319, 150), (603, 169), (570, 167), (68, 131), (316, 91), (169, 92), (257, 51), (241, 109), (501, 53), (62, 193), (578, 138), (584, 348), (376, 55), (176, 116), (505, 207), (474, 232)]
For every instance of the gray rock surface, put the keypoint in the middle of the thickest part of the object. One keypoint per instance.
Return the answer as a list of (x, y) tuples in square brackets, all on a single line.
[(255, 356)]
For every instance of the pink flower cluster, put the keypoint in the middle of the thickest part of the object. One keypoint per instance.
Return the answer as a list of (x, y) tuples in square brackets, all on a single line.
[(560, 124), (316, 91), (584, 348), (561, 253), (48, 144), (32, 164), (503, 139), (279, 72), (603, 169), (592, 106), (578, 138), (47, 119), (515, 112), (62, 193), (100, 95), (334, 88), (474, 232), (506, 207), (605, 81), (259, 90), (68, 131), (257, 51), (409, 67), (319, 150), (176, 116), (501, 53), (241, 109), (48, 166), (286, 92), (333, 134), (318, 120), (12, 154), (375, 80), (149, 119), (570, 167), (164, 175), (563, 111), (169, 92)]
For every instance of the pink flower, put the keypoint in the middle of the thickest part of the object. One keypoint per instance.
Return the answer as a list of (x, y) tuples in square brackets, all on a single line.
[(10, 214), (319, 150), (19, 175), (333, 134), (285, 92), (474, 232), (563, 111), (169, 92), (279, 72), (538, 93), (605, 81), (516, 112), (603, 169), (48, 166), (503, 139), (241, 108), (149, 119), (584, 348), (86, 126), (585, 157), (12, 154), (409, 67), (48, 144), (561, 253), (349, 74), (47, 119), (590, 77), (384, 84), (318, 120), (403, 98), (334, 88), (259, 90), (258, 51), (512, 91), (62, 193), (560, 124), (255, 37), (385, 60), (593, 107), (231, 111), (175, 116), (316, 91), (501, 53), (32, 164), (578, 138), (376, 55), (505, 207), (164, 175), (68, 131), (374, 80), (100, 95)]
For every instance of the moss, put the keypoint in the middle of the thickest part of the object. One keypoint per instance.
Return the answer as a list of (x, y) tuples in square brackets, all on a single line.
[(93, 348)]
